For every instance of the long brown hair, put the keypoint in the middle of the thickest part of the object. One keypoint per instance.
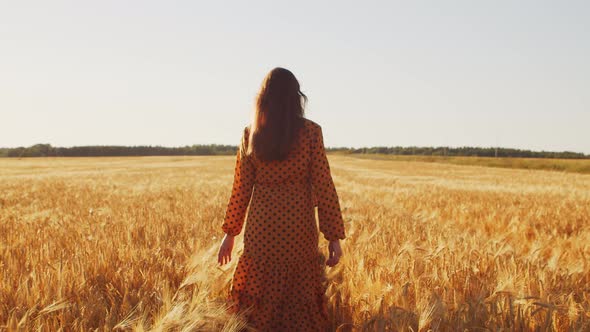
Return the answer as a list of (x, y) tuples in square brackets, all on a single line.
[(278, 116)]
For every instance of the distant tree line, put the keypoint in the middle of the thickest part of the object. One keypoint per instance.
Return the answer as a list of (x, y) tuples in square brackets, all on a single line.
[(46, 150), (464, 151)]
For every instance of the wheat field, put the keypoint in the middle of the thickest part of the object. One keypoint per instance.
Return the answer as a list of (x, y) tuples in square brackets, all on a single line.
[(130, 244)]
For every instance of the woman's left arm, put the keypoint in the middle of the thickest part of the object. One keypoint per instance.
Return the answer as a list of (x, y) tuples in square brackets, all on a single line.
[(244, 175)]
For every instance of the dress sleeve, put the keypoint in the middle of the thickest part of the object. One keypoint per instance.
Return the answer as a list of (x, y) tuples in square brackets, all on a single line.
[(243, 184), (324, 191)]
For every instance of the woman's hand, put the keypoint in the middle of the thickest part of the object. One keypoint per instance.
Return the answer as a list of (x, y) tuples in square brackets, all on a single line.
[(335, 253), (225, 249)]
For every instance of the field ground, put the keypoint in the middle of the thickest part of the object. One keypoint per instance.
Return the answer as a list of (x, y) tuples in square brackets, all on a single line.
[(566, 165), (130, 244)]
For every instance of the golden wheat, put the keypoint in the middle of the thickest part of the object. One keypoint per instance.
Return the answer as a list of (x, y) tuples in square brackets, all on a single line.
[(130, 244)]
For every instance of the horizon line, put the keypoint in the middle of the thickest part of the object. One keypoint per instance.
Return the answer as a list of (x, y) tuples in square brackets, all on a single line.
[(327, 147)]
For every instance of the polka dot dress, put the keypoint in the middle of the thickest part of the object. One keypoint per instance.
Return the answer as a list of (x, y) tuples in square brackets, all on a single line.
[(279, 274)]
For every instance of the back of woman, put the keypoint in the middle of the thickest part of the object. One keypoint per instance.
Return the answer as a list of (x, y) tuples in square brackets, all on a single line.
[(281, 173)]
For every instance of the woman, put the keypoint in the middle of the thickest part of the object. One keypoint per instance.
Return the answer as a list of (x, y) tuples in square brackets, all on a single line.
[(281, 173)]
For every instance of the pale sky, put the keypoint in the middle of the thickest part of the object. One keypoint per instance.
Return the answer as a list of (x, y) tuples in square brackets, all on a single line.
[(378, 73)]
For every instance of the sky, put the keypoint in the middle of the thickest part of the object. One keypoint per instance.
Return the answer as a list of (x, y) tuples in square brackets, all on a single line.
[(501, 73)]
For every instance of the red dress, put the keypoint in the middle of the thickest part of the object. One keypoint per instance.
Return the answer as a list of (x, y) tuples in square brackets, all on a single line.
[(279, 274)]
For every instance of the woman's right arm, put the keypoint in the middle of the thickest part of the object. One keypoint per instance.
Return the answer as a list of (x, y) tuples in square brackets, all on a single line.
[(329, 213)]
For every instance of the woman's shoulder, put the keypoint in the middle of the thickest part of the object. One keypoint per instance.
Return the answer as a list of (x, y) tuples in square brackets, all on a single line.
[(306, 122), (311, 128), (310, 124)]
